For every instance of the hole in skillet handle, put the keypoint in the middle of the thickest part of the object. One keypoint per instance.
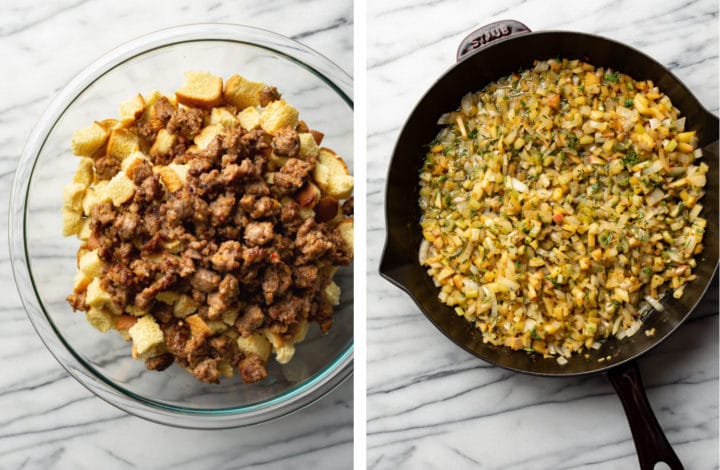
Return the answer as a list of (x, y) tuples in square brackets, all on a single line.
[(484, 35), (650, 442)]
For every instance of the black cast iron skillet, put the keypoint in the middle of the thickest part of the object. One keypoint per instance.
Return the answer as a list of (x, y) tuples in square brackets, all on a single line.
[(484, 56)]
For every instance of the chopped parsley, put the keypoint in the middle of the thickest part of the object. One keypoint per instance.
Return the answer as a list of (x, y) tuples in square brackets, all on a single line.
[(612, 77), (630, 158), (628, 102)]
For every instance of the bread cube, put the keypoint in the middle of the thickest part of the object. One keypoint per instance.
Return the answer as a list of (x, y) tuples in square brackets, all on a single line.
[(96, 296), (229, 316), (86, 141), (90, 198), (164, 142), (168, 297), (198, 328), (277, 116), (132, 109), (132, 161), (206, 135), (173, 176), (72, 197), (308, 196), (241, 92), (332, 175), (249, 118), (216, 327), (119, 189), (109, 124), (122, 143), (136, 311), (80, 282), (72, 222), (222, 117), (90, 264), (308, 147), (331, 294), (225, 368), (85, 172), (200, 89), (85, 230), (255, 344), (346, 231), (101, 319), (146, 334)]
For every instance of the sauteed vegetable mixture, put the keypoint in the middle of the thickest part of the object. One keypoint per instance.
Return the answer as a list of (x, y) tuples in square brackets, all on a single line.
[(559, 205)]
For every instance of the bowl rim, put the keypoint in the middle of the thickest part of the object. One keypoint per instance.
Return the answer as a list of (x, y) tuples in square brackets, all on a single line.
[(293, 399)]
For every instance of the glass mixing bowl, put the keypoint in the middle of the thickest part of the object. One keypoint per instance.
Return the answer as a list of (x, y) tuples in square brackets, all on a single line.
[(43, 261)]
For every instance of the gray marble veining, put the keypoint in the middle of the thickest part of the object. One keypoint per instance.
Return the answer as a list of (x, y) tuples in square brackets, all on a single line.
[(47, 419), (431, 405)]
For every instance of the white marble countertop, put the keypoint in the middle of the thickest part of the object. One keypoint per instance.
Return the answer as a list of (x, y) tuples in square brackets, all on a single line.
[(47, 419), (430, 404)]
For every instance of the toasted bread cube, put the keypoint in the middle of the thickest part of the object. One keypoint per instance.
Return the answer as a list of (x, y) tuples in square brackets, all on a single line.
[(275, 162), (85, 230), (321, 176), (306, 213), (80, 282), (308, 147), (109, 124), (346, 231), (132, 109), (125, 322), (198, 328), (136, 311), (90, 199), (308, 196), (255, 344), (331, 294), (151, 98), (96, 296), (146, 334), (72, 222), (217, 327), (174, 246), (169, 178), (225, 368), (277, 116), (285, 350), (119, 189), (241, 92), (122, 143), (229, 316), (90, 264), (341, 186), (100, 319), (332, 175), (85, 172), (164, 141), (206, 135), (180, 170), (72, 197), (200, 89), (222, 117), (249, 118), (132, 161), (87, 140), (301, 332), (168, 297)]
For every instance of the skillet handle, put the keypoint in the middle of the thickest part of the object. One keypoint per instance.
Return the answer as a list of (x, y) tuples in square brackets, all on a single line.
[(650, 442), (484, 35)]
